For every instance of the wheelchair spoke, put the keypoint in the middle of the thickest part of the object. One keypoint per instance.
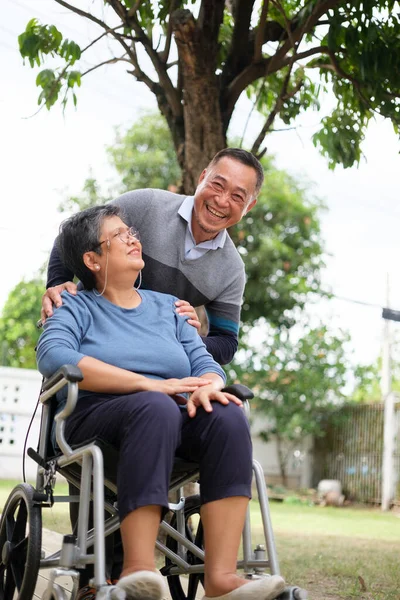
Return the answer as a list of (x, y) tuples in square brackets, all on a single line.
[(19, 550), (9, 587), (20, 523), (9, 526), (17, 570), (17, 561)]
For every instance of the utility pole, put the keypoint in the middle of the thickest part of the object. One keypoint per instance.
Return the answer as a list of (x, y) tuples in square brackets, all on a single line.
[(389, 412)]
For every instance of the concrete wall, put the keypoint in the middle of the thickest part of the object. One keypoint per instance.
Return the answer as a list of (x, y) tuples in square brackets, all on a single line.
[(19, 390)]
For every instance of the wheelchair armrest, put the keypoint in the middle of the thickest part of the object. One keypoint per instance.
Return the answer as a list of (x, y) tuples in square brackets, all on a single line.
[(240, 391), (68, 372)]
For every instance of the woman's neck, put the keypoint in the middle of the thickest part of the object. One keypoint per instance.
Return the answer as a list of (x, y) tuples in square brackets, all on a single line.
[(123, 297)]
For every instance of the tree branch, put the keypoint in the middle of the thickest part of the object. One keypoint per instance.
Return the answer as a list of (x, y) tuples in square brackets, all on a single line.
[(259, 41), (130, 51), (288, 26), (300, 55), (132, 11), (167, 47), (320, 9), (209, 21), (141, 75), (339, 71), (99, 38), (107, 62), (283, 96), (119, 9), (274, 63), (91, 17), (165, 81), (240, 54)]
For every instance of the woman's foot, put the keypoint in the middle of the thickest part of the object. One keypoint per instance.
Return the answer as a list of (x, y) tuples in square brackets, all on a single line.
[(266, 588), (143, 585)]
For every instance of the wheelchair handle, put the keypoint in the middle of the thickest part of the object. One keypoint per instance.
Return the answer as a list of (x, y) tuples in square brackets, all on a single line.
[(68, 372), (240, 391)]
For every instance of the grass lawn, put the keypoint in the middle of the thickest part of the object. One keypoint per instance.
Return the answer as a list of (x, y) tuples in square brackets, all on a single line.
[(335, 554)]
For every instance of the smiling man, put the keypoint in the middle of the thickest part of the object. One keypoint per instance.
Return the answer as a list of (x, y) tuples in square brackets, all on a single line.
[(186, 248)]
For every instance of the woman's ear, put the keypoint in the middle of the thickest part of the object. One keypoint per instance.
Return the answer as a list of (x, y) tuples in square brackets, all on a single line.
[(90, 259)]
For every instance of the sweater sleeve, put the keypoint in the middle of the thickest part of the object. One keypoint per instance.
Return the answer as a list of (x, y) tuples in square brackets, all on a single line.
[(200, 359), (57, 272), (222, 345), (223, 318), (61, 339)]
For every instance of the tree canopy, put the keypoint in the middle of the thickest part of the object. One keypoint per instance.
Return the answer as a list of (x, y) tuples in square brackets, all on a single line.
[(294, 380), (197, 58), (18, 331), (144, 157)]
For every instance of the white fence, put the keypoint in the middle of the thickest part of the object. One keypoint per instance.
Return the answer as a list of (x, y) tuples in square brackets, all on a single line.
[(19, 390)]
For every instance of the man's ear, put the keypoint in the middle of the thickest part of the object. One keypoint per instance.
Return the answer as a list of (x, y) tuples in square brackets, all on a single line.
[(90, 259), (202, 175), (250, 206)]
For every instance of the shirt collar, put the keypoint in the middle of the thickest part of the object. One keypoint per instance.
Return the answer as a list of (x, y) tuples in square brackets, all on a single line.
[(185, 211)]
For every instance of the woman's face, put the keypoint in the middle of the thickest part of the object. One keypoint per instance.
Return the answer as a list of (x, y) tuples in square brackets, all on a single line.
[(122, 249)]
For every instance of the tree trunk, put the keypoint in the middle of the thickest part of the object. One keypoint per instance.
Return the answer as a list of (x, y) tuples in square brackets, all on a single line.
[(201, 109)]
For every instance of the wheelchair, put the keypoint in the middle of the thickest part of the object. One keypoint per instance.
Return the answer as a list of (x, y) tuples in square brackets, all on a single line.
[(89, 468)]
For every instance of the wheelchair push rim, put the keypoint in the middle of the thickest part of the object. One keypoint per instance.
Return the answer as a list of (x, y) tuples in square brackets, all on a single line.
[(20, 544)]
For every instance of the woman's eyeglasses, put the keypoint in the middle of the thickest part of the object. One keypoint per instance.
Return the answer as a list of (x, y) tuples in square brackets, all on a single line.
[(125, 236)]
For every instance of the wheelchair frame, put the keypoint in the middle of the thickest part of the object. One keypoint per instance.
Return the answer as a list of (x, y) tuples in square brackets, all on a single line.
[(74, 551)]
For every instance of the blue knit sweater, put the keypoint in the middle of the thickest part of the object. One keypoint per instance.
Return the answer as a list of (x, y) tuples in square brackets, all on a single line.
[(150, 340)]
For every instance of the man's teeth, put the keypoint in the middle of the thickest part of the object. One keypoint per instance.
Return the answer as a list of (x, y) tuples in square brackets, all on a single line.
[(214, 212)]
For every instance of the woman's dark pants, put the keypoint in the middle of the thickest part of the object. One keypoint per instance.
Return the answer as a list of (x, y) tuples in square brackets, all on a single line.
[(149, 430)]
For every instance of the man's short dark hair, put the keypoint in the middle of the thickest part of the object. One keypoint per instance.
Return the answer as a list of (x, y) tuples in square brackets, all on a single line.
[(81, 233), (247, 158)]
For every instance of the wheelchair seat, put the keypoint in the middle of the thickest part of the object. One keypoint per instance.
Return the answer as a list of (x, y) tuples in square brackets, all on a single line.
[(182, 469)]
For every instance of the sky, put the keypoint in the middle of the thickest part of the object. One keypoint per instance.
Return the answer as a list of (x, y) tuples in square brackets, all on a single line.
[(47, 156)]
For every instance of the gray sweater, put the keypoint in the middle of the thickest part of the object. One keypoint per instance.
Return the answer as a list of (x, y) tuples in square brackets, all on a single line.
[(215, 280)]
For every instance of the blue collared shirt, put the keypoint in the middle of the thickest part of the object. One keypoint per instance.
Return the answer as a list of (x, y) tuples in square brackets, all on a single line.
[(193, 250)]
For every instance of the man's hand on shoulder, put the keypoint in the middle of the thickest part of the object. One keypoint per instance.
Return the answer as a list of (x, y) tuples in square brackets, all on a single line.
[(184, 309), (52, 296)]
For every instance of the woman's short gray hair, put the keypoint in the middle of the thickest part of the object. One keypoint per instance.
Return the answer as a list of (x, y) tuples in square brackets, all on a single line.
[(81, 233)]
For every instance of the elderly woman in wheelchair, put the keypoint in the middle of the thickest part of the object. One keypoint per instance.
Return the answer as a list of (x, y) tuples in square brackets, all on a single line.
[(152, 391)]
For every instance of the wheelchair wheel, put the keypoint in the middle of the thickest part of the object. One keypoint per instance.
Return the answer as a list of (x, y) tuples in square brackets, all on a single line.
[(194, 533), (20, 544)]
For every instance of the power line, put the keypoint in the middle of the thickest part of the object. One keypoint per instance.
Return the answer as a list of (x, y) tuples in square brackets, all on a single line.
[(7, 46), (360, 302), (389, 314)]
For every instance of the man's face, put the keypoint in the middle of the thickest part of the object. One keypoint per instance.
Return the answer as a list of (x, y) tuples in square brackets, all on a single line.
[(225, 193)]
